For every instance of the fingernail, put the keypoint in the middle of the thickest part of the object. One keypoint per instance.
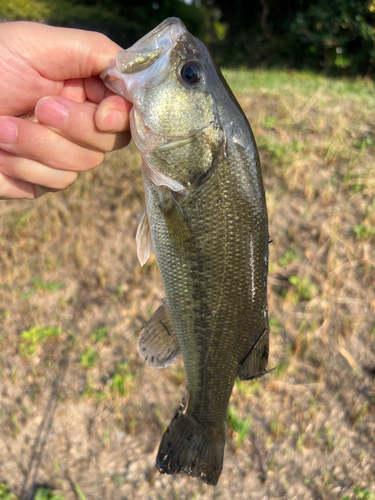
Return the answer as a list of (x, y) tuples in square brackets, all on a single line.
[(8, 131), (51, 113)]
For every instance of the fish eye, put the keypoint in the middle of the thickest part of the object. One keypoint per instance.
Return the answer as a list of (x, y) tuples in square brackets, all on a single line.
[(190, 73)]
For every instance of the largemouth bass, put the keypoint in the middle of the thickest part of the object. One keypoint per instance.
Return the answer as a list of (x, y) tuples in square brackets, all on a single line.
[(206, 221)]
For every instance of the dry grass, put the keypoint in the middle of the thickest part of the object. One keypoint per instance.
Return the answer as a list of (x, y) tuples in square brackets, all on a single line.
[(78, 407)]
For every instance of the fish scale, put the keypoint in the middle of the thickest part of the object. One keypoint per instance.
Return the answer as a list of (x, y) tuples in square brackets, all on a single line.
[(207, 218)]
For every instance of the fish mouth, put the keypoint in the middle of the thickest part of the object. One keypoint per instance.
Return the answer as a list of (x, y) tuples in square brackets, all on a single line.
[(148, 49), (149, 53)]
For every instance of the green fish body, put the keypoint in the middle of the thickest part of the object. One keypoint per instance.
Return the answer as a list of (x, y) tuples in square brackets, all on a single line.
[(206, 221)]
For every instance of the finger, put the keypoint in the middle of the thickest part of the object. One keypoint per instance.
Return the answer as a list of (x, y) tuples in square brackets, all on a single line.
[(23, 169), (74, 89), (76, 122), (95, 89), (11, 189), (36, 142), (112, 114)]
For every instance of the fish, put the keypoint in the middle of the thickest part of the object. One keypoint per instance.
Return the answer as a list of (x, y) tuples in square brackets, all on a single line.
[(206, 221)]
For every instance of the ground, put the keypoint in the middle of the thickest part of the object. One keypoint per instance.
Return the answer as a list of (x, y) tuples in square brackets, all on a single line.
[(82, 416)]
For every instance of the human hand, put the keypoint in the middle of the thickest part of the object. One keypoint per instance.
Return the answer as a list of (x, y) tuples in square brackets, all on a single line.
[(56, 116)]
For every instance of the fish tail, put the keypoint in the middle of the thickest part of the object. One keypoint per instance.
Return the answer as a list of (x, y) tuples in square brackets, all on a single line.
[(187, 446)]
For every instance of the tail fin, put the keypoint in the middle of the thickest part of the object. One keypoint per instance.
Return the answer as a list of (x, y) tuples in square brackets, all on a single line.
[(189, 447)]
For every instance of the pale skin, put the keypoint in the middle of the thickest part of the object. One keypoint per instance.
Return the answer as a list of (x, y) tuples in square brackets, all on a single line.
[(56, 116)]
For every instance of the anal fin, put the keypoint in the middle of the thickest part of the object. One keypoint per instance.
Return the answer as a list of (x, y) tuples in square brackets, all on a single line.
[(158, 344), (255, 362)]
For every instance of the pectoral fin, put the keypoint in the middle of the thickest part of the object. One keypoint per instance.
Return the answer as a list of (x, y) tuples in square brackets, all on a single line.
[(177, 226), (255, 362), (143, 239), (158, 344)]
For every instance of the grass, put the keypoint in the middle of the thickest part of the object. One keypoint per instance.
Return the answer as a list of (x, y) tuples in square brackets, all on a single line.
[(47, 494), (73, 300), (88, 357), (5, 493), (241, 426), (37, 336), (38, 284)]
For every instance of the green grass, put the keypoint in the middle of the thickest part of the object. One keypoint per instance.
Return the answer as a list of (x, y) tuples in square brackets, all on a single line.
[(99, 334), (289, 83), (239, 425), (360, 494), (303, 289), (36, 336), (47, 494), (38, 284), (290, 256), (88, 358), (79, 492), (123, 381), (5, 493)]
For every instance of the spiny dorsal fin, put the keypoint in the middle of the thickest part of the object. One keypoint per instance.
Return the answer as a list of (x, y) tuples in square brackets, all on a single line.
[(158, 344), (143, 239), (255, 362)]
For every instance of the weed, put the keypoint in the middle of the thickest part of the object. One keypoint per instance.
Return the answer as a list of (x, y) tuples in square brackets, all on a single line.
[(14, 425), (92, 393), (361, 414), (247, 387), (88, 357), (277, 429), (38, 284), (79, 492), (299, 444), (281, 152), (47, 494), (123, 381), (20, 222), (269, 122), (303, 289), (275, 326), (5, 493), (281, 367), (363, 232), (36, 335), (240, 426), (290, 256), (363, 494), (99, 334)]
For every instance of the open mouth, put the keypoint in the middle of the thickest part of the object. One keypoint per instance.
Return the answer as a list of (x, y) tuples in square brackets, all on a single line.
[(150, 53)]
